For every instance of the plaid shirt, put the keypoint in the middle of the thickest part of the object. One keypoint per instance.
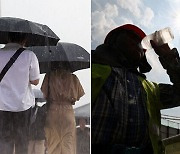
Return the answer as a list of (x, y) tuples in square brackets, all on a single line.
[(119, 114)]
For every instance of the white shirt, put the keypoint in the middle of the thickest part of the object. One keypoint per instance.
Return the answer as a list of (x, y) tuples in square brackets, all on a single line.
[(15, 89)]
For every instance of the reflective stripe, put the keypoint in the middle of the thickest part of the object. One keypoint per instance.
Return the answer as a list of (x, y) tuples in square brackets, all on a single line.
[(99, 75), (153, 107)]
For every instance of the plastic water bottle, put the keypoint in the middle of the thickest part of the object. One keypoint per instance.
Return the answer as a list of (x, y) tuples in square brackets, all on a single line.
[(159, 37)]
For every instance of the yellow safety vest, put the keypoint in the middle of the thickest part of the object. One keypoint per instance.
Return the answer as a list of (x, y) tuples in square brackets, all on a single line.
[(153, 107), (99, 75)]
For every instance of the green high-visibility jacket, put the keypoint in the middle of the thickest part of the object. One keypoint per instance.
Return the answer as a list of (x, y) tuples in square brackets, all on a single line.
[(99, 75)]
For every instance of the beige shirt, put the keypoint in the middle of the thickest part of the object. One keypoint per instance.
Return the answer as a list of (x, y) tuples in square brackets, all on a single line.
[(63, 86)]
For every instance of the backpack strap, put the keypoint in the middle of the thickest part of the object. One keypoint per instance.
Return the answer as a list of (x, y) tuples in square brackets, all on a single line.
[(10, 62)]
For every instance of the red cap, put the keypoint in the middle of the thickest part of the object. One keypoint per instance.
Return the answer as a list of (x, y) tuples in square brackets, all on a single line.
[(145, 67), (134, 28)]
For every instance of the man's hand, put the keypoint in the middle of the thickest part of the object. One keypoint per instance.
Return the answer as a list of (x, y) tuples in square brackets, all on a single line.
[(170, 61), (163, 50), (35, 82)]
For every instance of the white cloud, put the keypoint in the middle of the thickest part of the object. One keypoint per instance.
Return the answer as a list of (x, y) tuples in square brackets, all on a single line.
[(147, 16), (126, 20), (174, 2), (103, 22), (107, 17), (97, 27), (111, 10), (138, 10), (132, 6)]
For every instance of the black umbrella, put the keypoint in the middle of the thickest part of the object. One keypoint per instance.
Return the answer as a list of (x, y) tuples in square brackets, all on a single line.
[(67, 55), (38, 34)]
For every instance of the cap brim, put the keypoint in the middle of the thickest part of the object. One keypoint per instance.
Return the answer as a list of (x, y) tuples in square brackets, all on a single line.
[(134, 28)]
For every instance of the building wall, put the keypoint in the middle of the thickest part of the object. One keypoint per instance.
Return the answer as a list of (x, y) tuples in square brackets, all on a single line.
[(167, 131)]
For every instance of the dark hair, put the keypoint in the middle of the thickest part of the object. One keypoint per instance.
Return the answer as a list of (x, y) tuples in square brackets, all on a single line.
[(64, 65), (17, 37)]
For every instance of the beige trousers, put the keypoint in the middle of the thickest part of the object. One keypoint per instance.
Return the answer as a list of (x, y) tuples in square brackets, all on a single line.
[(60, 130), (36, 147)]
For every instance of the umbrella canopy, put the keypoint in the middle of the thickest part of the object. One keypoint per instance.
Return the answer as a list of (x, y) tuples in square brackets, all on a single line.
[(38, 34), (64, 55)]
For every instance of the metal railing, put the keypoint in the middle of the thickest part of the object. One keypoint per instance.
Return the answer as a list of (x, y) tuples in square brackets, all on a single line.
[(171, 132)]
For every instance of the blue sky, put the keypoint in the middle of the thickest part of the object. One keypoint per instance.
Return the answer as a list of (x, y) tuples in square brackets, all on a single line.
[(149, 15)]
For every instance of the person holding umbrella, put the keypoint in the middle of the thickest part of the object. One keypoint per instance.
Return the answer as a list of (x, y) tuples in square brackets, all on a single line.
[(16, 96), (61, 89)]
